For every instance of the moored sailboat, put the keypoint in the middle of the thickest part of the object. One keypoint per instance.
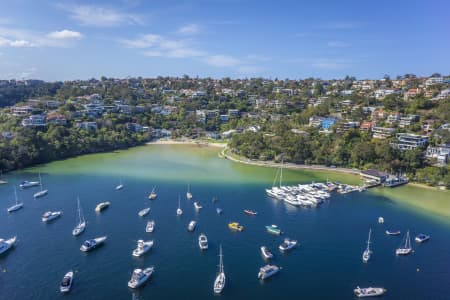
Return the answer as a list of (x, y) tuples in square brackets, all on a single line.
[(219, 282), (367, 252), (81, 222), (42, 192), (153, 194), (179, 210), (188, 193), (16, 206), (405, 248)]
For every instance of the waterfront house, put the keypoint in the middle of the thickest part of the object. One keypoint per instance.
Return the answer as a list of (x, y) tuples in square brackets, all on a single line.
[(441, 153), (374, 175)]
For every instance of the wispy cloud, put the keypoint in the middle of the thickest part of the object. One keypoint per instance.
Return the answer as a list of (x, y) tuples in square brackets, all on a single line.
[(65, 34), (258, 57), (331, 64), (18, 38), (93, 15), (340, 25), (189, 29), (338, 44)]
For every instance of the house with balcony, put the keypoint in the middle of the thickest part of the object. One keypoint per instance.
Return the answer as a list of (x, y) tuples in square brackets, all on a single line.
[(408, 120), (34, 121), (87, 125), (440, 153), (382, 132), (21, 110), (408, 141)]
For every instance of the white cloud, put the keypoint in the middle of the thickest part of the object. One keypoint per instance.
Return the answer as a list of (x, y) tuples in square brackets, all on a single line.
[(222, 61), (338, 44), (93, 15), (258, 57), (152, 53), (65, 34), (189, 29), (15, 43), (145, 41)]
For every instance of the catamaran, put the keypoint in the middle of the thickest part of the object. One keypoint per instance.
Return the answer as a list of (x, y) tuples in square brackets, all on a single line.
[(188, 193), (367, 252), (16, 206), (120, 186), (139, 277), (81, 222), (5, 245), (268, 271), (405, 248), (219, 283), (179, 210), (153, 194), (42, 192)]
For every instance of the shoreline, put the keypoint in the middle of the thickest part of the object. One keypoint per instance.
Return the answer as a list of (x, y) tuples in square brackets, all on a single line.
[(186, 142)]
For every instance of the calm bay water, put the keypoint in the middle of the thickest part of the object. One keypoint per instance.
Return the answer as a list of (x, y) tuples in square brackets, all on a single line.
[(326, 265)]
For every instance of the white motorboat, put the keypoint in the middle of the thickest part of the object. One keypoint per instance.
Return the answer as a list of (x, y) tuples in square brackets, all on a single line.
[(139, 277), (179, 210), (380, 220), (91, 244), (268, 271), (266, 252), (420, 238), (120, 186), (101, 206), (153, 194), (27, 184), (191, 226), (390, 232), (405, 248), (369, 292), (16, 206), (150, 226), (5, 245), (203, 242), (142, 247), (219, 282), (66, 283), (188, 193), (144, 212), (42, 192), (81, 226), (197, 205), (367, 252), (51, 215), (287, 244), (219, 211)]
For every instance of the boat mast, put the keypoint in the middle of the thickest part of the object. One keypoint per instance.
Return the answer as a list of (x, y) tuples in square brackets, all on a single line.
[(275, 179), (221, 260), (15, 195), (40, 180), (281, 173), (368, 241)]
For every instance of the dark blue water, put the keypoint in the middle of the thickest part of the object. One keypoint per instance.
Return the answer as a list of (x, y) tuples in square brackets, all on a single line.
[(326, 265)]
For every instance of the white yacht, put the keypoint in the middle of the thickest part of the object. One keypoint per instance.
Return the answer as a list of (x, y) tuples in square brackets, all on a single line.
[(287, 244), (179, 210), (144, 212), (369, 292), (367, 252), (66, 283), (81, 226), (139, 277), (188, 193), (142, 247), (150, 226), (197, 205), (191, 226), (203, 242), (16, 206), (268, 271), (51, 215), (405, 248), (42, 192), (27, 184), (219, 282), (5, 245), (101, 206), (266, 252), (91, 244)]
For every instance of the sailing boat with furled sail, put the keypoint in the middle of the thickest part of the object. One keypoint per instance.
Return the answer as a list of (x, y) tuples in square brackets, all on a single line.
[(367, 252), (81, 226), (219, 283)]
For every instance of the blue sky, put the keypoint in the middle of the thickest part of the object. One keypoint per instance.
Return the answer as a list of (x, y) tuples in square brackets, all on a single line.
[(63, 40)]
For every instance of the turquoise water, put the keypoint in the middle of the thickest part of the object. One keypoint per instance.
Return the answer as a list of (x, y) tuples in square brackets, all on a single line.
[(326, 265)]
